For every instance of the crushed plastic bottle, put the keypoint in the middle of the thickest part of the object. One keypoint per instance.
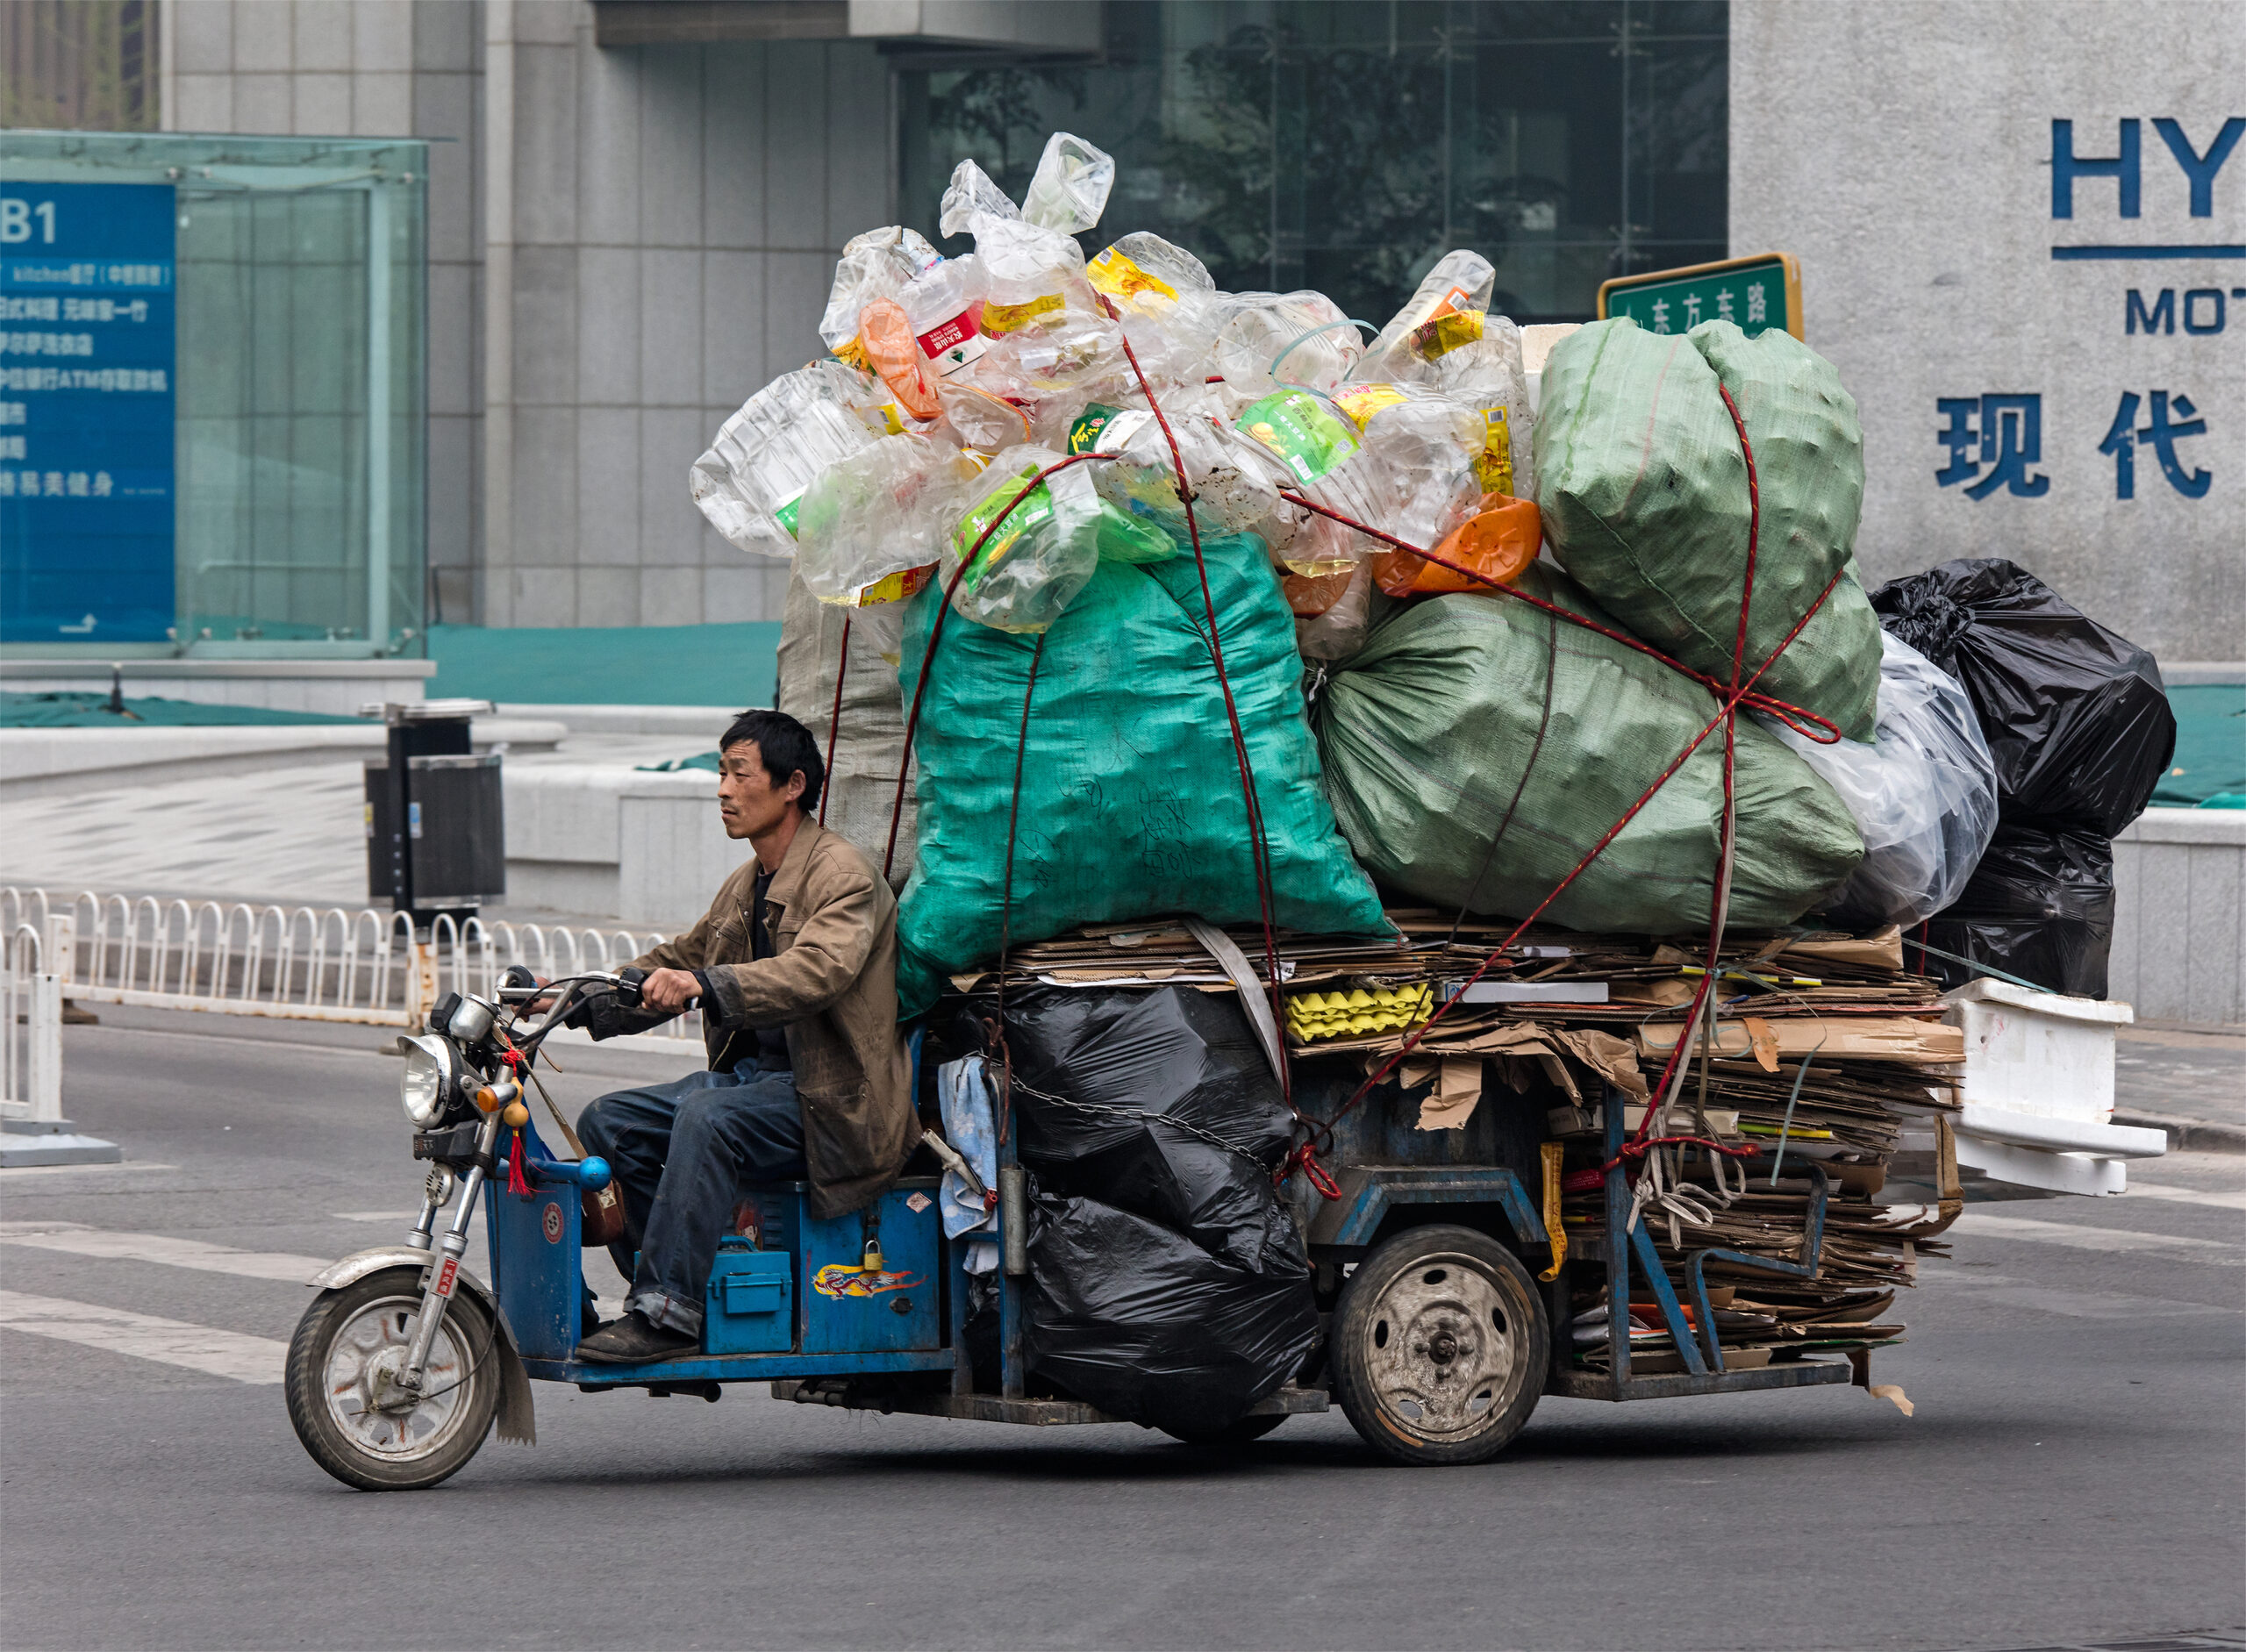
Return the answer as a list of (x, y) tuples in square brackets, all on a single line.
[(885, 338), (944, 307), (1053, 366), (870, 530), (875, 265), (1318, 443), (1446, 340), (1070, 188), (1266, 341), (1230, 495), (749, 481), (1147, 276), (1037, 556)]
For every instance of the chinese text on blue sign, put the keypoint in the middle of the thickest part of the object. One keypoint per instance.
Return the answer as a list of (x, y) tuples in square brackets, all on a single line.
[(86, 399)]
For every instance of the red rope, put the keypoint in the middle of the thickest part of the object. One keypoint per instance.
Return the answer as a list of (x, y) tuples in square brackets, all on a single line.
[(1259, 846), (1730, 697), (834, 724)]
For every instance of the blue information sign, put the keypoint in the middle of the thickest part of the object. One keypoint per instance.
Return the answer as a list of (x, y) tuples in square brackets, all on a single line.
[(86, 398)]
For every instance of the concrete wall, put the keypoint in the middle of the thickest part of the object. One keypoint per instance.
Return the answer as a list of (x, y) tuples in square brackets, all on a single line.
[(2179, 916), (1903, 150), (625, 243)]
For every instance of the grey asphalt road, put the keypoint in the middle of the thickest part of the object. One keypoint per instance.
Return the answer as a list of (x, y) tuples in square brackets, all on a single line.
[(2072, 1475)]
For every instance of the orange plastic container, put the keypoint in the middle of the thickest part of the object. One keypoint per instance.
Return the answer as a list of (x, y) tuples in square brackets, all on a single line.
[(886, 337), (1498, 544), (1310, 594)]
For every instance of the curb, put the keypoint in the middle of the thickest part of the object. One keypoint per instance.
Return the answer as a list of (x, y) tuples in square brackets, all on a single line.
[(2188, 1135)]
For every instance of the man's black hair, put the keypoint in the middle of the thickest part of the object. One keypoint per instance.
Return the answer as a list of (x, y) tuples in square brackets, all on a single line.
[(784, 746)]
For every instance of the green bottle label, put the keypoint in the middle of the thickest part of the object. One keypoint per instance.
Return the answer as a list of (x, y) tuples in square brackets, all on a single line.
[(1298, 427)]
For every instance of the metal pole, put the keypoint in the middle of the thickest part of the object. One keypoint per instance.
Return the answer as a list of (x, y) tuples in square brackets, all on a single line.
[(378, 431)]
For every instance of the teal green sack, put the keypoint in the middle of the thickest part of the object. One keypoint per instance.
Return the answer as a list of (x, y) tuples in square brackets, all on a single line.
[(1426, 733), (1131, 804), (1643, 492)]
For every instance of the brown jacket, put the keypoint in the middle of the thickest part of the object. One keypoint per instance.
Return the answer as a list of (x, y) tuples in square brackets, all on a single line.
[(832, 984)]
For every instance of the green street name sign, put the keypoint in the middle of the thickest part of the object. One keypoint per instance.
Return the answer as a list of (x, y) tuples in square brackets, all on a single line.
[(1757, 294)]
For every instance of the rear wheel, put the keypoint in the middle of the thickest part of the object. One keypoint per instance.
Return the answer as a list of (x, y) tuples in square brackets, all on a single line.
[(1439, 1347), (341, 1392)]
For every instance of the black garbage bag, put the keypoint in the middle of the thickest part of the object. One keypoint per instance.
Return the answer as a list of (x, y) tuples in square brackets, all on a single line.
[(2077, 717), (1160, 1104), (1143, 1323), (2040, 906)]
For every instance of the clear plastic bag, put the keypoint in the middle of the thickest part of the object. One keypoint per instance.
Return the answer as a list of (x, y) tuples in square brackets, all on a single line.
[(1035, 560), (1923, 792), (871, 528), (749, 481), (1070, 191)]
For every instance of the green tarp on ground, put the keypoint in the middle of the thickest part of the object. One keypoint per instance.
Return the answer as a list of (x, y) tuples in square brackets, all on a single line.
[(1131, 803), (73, 710), (1426, 733), (1643, 491), (2210, 760)]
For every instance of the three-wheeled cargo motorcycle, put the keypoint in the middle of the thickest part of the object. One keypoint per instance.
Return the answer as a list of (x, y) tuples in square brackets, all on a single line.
[(1439, 1337)]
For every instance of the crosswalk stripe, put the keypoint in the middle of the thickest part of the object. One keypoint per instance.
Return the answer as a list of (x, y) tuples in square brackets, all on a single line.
[(77, 1240), (198, 1348), (2104, 1239)]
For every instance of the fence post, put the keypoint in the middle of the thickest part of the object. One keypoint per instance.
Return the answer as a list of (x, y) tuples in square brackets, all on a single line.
[(421, 979), (45, 1136)]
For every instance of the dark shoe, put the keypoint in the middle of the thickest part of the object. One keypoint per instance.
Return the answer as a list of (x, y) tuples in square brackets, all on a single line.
[(634, 1341)]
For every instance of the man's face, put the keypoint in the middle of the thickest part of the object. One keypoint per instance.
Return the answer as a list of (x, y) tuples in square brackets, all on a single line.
[(751, 804)]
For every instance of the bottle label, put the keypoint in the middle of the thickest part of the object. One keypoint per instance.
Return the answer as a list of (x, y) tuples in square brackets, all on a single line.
[(1361, 401), (1118, 276), (894, 588), (1026, 518), (784, 512), (998, 319), (1493, 469), (1453, 321), (1106, 430), (953, 343), (1297, 427), (852, 351)]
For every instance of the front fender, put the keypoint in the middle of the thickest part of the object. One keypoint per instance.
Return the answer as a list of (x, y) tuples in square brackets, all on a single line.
[(518, 1420)]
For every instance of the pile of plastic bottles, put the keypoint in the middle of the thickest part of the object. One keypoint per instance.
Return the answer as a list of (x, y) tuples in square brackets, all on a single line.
[(1357, 1014), (956, 384)]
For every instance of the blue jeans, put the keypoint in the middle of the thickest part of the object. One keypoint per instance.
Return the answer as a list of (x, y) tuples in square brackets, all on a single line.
[(683, 1153)]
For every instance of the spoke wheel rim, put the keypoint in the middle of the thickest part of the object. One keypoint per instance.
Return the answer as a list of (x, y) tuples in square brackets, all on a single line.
[(371, 1345), (1442, 1349)]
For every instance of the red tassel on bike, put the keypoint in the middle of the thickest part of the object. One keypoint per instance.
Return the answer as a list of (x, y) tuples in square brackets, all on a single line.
[(517, 1182)]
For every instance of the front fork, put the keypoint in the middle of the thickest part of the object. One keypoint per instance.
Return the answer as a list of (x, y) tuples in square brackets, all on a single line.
[(444, 1273)]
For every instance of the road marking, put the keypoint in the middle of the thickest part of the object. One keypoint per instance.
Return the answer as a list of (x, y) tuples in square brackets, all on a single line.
[(77, 1240), (14, 1170), (408, 1217), (244, 1359), (2106, 1239), (2227, 1198)]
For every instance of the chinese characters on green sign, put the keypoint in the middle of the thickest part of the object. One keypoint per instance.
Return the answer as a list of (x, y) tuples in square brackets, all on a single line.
[(1756, 294)]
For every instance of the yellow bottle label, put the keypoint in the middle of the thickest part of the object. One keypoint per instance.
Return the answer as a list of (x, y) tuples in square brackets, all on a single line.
[(1493, 469), (1119, 276), (1006, 317), (1361, 401)]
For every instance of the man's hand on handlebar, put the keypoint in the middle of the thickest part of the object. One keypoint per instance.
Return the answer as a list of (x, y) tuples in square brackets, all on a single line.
[(668, 990)]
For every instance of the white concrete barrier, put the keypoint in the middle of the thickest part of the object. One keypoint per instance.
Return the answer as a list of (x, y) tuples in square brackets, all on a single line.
[(2179, 916)]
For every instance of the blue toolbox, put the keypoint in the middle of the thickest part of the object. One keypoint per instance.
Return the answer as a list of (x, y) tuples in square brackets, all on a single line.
[(870, 1280), (749, 1305)]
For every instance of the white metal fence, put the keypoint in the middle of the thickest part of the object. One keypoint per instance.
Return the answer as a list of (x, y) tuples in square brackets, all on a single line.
[(297, 964), (31, 1051)]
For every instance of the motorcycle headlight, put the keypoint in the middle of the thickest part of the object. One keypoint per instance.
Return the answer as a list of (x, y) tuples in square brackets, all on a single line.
[(430, 1080)]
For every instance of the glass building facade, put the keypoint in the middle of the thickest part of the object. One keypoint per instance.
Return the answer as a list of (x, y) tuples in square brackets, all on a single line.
[(265, 462), (1345, 145)]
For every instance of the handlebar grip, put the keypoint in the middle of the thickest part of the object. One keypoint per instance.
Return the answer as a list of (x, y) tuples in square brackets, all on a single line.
[(591, 1174), (628, 990)]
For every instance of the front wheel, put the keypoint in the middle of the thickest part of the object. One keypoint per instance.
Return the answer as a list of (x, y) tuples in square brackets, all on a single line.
[(1439, 1347), (348, 1350)]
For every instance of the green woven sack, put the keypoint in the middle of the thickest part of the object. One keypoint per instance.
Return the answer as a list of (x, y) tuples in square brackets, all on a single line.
[(1643, 492), (1427, 731), (1130, 792)]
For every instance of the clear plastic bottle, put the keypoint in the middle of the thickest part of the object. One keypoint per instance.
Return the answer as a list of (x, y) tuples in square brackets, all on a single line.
[(875, 265), (944, 306), (1070, 188), (1036, 557), (870, 528), (1447, 340), (1266, 341), (752, 478), (1321, 447)]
